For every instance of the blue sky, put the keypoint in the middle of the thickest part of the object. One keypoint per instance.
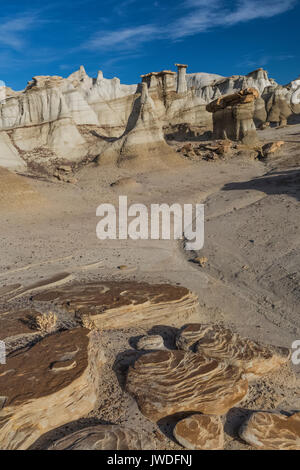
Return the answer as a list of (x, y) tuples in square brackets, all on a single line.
[(127, 38)]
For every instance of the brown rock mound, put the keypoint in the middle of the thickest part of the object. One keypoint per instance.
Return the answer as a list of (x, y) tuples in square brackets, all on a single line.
[(46, 386), (200, 432), (222, 344), (169, 382), (105, 438), (272, 431), (124, 304)]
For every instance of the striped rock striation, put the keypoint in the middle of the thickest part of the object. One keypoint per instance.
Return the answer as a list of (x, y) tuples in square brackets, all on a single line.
[(169, 382), (105, 437), (272, 431), (221, 343), (200, 432)]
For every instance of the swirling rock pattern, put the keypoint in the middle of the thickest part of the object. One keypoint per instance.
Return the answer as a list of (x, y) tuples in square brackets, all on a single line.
[(50, 384), (200, 432), (102, 437), (272, 431), (169, 382), (221, 343), (124, 304)]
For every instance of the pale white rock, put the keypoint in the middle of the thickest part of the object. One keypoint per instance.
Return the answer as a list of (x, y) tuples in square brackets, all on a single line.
[(9, 157)]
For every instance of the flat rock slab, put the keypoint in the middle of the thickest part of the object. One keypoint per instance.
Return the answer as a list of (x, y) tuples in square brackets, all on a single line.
[(200, 432), (150, 342), (272, 431), (46, 386), (116, 304), (168, 382), (16, 322), (105, 437), (221, 343)]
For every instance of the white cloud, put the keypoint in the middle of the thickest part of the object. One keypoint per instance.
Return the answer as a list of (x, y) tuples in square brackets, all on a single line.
[(122, 39), (195, 16), (12, 29)]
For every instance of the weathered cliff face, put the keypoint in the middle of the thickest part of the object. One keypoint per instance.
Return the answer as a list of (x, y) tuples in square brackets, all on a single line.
[(79, 118), (233, 116)]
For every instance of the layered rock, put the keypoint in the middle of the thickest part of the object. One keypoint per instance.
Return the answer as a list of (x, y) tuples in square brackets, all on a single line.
[(142, 144), (200, 432), (121, 304), (222, 344), (110, 437), (169, 382), (150, 342), (50, 384), (272, 431), (233, 116), (78, 118)]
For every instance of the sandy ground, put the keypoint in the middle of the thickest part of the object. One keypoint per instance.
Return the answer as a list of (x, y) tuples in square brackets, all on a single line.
[(250, 282)]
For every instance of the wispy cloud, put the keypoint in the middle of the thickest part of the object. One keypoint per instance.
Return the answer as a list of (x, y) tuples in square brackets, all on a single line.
[(123, 39), (12, 30), (195, 16)]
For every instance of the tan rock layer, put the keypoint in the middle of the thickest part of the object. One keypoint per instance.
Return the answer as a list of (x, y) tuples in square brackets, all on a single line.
[(272, 431), (102, 437), (39, 395), (200, 432), (222, 344), (169, 382), (123, 304), (248, 95)]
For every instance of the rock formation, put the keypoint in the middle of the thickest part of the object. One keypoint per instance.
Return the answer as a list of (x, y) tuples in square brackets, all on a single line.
[(50, 384), (101, 437), (169, 382), (123, 304), (57, 120), (272, 431), (233, 116), (150, 342), (222, 344), (181, 78), (200, 432)]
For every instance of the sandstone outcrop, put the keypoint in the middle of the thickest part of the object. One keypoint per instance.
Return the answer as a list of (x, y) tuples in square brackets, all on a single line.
[(272, 431), (233, 116), (169, 382), (151, 342), (222, 344), (50, 384), (105, 437), (80, 118), (200, 432), (142, 145), (272, 147), (121, 304)]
